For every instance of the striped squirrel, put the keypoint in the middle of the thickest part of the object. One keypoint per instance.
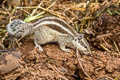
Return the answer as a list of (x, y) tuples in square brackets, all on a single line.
[(50, 29)]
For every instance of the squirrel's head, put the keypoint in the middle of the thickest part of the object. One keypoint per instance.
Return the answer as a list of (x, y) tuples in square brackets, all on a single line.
[(14, 28), (81, 44)]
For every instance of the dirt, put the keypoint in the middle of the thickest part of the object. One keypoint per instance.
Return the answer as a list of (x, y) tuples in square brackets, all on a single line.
[(8, 62), (107, 29), (53, 64)]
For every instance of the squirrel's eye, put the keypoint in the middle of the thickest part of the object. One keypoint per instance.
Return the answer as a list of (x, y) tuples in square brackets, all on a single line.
[(80, 37), (75, 39)]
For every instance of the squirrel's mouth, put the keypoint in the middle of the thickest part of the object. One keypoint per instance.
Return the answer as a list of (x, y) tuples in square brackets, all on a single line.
[(87, 51)]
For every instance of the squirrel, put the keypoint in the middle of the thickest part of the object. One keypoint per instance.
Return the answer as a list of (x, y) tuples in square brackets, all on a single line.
[(50, 29)]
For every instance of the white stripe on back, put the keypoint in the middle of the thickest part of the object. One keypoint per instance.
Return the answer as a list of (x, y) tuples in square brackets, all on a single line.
[(53, 23)]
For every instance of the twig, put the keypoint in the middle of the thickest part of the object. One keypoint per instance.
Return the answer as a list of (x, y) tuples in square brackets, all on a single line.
[(106, 43), (105, 48), (51, 5), (40, 6), (68, 9), (60, 74), (7, 50), (25, 11), (6, 34), (116, 47), (37, 8), (80, 64), (47, 10), (17, 42), (104, 35), (3, 12)]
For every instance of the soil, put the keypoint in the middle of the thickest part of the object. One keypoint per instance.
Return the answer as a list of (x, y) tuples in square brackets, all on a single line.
[(54, 64)]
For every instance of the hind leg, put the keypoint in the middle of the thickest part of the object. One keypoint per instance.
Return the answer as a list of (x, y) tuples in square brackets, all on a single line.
[(42, 36), (38, 40)]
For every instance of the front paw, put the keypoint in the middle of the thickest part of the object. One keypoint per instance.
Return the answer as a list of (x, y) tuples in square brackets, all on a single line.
[(39, 48)]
